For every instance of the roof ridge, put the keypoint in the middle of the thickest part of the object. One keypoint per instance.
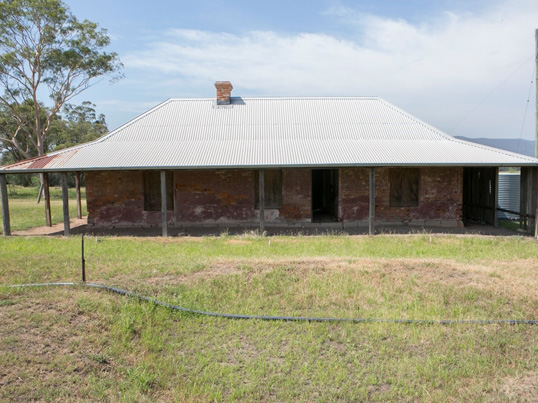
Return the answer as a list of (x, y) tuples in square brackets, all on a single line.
[(417, 120), (499, 150), (371, 97)]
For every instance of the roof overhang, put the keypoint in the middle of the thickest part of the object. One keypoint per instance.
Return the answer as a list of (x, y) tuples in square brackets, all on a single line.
[(265, 133), (6, 170)]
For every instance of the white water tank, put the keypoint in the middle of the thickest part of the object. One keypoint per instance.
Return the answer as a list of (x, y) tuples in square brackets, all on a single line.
[(508, 194)]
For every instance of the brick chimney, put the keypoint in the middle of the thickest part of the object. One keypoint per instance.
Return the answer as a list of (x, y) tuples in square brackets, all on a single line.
[(224, 92)]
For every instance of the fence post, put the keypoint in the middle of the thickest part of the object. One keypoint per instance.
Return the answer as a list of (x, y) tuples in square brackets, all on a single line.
[(82, 260)]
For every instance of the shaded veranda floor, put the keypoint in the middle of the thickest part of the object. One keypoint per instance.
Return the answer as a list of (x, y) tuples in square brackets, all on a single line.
[(80, 226)]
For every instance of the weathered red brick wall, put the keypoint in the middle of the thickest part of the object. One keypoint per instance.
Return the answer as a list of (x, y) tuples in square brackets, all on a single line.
[(440, 196), (354, 194), (117, 198), (296, 199), (209, 196), (212, 196)]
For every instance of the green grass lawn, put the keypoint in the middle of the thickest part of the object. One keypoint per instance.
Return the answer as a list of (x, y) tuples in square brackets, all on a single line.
[(25, 213), (509, 224), (93, 345)]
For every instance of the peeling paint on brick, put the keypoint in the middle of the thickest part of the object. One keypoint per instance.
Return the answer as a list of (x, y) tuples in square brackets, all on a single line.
[(440, 197), (116, 198), (354, 199), (296, 200), (210, 196)]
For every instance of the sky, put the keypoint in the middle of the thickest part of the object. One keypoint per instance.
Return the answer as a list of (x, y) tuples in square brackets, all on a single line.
[(465, 67)]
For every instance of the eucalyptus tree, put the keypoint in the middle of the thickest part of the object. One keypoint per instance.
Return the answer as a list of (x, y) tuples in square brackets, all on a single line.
[(77, 124), (47, 57)]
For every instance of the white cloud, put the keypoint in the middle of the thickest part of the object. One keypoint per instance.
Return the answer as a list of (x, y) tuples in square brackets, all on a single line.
[(439, 69)]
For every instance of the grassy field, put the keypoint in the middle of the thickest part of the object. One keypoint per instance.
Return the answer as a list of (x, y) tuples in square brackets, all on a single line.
[(80, 344), (25, 213)]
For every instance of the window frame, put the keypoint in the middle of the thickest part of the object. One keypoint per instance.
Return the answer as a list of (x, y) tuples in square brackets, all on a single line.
[(407, 181), (272, 180), (151, 181)]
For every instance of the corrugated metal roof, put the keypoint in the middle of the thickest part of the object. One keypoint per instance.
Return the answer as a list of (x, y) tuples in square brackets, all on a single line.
[(269, 132)]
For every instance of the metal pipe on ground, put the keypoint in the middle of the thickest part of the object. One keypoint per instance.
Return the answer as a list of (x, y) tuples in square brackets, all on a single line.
[(288, 318)]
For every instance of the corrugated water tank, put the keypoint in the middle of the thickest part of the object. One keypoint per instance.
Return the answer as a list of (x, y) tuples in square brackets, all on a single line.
[(508, 194)]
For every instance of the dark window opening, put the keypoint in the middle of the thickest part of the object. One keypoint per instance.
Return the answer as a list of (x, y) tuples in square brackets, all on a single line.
[(152, 191), (272, 187), (324, 195), (404, 187)]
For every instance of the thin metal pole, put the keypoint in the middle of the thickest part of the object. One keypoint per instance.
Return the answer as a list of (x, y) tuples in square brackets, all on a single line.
[(262, 200), (496, 196), (371, 216), (79, 202), (164, 207), (5, 206), (536, 101), (82, 260), (65, 199), (48, 214)]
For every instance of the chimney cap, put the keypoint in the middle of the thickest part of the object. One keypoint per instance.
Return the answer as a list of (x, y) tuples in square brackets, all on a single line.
[(223, 84)]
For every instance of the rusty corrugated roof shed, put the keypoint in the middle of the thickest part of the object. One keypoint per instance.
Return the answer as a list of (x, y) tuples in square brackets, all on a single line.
[(273, 132)]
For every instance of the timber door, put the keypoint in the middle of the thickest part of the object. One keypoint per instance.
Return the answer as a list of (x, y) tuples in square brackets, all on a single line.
[(480, 194)]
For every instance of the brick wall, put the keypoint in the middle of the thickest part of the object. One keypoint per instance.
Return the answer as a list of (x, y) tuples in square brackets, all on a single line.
[(296, 201), (440, 197), (354, 194), (209, 196), (221, 196), (116, 198)]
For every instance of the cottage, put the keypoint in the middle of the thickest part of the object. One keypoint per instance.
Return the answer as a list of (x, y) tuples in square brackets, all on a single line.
[(327, 161)]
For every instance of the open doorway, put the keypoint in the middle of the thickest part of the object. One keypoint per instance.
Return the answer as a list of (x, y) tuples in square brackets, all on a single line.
[(480, 195), (324, 195)]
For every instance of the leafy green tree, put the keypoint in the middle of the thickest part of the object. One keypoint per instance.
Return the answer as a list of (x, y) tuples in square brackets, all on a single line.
[(16, 139), (9, 153), (78, 124), (44, 49)]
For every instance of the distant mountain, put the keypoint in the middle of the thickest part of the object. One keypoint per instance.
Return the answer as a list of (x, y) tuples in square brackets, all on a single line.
[(525, 147)]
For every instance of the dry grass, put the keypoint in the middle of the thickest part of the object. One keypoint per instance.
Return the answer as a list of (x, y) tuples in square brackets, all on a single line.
[(75, 344), (503, 278), (50, 348)]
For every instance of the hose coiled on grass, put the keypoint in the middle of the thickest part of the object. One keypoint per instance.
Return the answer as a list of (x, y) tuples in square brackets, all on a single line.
[(285, 318)]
